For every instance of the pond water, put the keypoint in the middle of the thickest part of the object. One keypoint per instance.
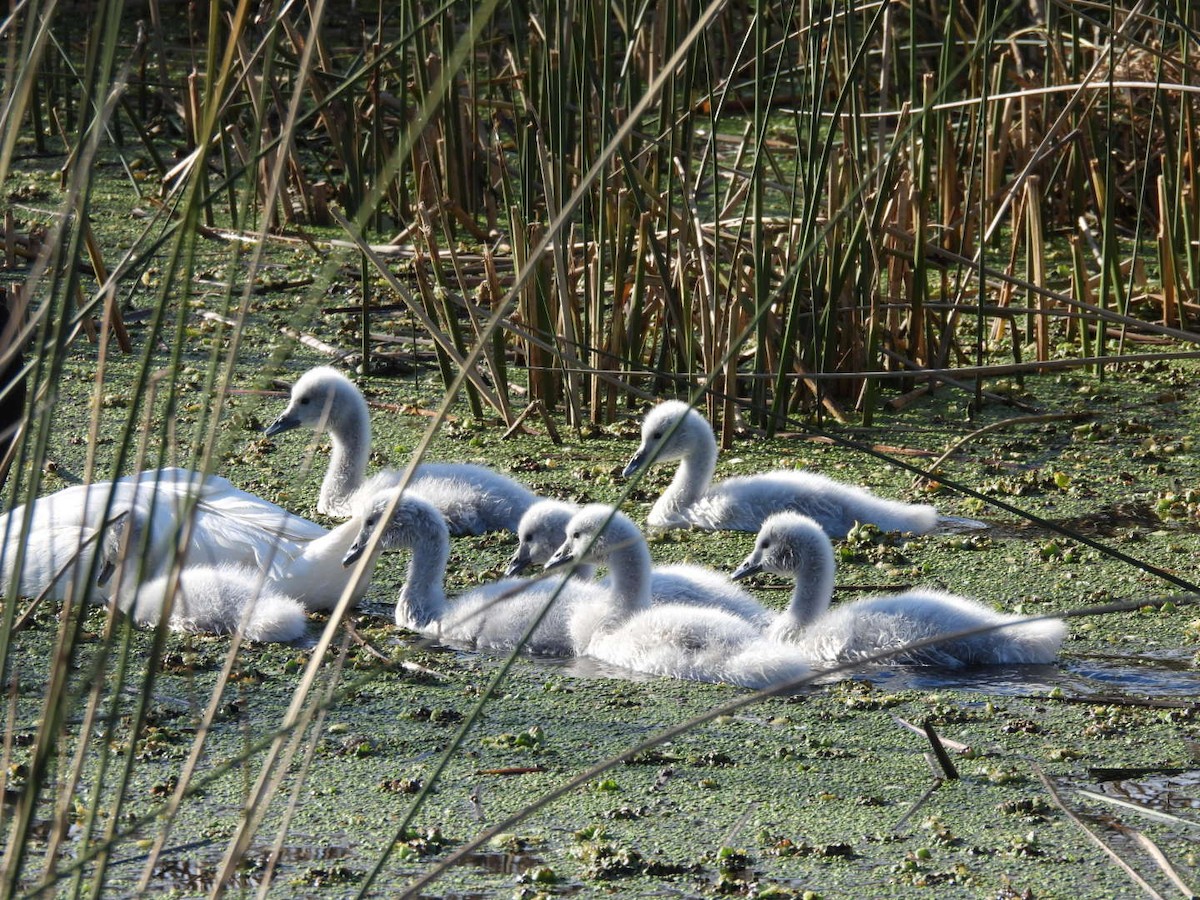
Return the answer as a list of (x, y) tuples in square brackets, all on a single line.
[(1096, 679), (1170, 677)]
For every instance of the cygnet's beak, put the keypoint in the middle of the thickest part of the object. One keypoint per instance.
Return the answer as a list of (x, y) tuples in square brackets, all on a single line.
[(105, 574), (562, 556), (356, 550), (635, 462), (750, 566), (285, 422), (518, 564)]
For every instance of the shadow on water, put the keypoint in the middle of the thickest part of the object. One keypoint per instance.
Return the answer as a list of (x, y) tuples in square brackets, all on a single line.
[(1093, 678), (1110, 520), (186, 872), (1169, 790), (1096, 679)]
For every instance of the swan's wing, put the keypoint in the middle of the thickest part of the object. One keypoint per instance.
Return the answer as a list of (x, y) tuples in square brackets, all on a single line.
[(742, 503)]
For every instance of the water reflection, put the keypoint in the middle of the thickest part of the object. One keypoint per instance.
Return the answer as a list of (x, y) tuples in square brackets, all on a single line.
[(1168, 792), (1099, 678)]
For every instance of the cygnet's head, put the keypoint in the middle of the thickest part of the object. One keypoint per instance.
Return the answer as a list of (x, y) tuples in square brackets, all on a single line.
[(787, 543), (669, 432), (593, 534), (412, 520), (541, 531), (317, 398), (122, 536)]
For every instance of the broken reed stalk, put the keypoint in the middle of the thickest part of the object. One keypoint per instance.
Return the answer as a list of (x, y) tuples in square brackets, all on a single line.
[(1092, 836)]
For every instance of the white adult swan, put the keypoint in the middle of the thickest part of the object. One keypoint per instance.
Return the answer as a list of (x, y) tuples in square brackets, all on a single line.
[(793, 544), (675, 431), (543, 529), (204, 599), (493, 616), (671, 639), (228, 525), (310, 571), (473, 499)]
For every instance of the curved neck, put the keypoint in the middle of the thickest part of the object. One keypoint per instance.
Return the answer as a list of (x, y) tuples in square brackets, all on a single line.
[(350, 431), (629, 567), (691, 480), (422, 599), (814, 574)]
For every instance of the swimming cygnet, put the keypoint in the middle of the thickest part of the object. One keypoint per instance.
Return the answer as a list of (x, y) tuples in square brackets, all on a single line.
[(674, 431), (792, 544), (671, 639), (493, 616), (543, 529), (472, 498)]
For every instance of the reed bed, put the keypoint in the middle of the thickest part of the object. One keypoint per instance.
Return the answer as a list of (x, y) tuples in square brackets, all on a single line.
[(792, 211)]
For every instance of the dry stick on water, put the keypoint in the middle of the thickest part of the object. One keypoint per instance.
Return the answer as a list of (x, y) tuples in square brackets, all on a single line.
[(1091, 835), (917, 729), (1159, 858), (389, 663), (939, 752), (1155, 814), (535, 407)]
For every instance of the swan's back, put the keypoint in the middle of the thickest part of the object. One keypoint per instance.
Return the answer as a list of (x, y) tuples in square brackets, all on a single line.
[(743, 503), (473, 499), (862, 627), (674, 640), (495, 616), (228, 525), (699, 644), (217, 600)]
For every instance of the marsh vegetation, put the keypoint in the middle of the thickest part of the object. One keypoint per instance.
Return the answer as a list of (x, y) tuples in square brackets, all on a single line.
[(947, 253)]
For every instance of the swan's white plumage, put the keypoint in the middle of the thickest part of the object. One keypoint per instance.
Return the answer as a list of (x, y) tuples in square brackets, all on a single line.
[(679, 641), (472, 498), (228, 526), (494, 616), (674, 431), (795, 545), (207, 599), (543, 529)]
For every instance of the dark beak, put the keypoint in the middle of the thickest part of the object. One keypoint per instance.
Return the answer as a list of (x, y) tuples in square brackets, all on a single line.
[(562, 556), (284, 423), (635, 462), (745, 570), (518, 564), (356, 550), (106, 573)]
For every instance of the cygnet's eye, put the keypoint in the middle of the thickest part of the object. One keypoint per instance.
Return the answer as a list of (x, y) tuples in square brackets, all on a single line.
[(765, 545), (304, 401), (656, 436)]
